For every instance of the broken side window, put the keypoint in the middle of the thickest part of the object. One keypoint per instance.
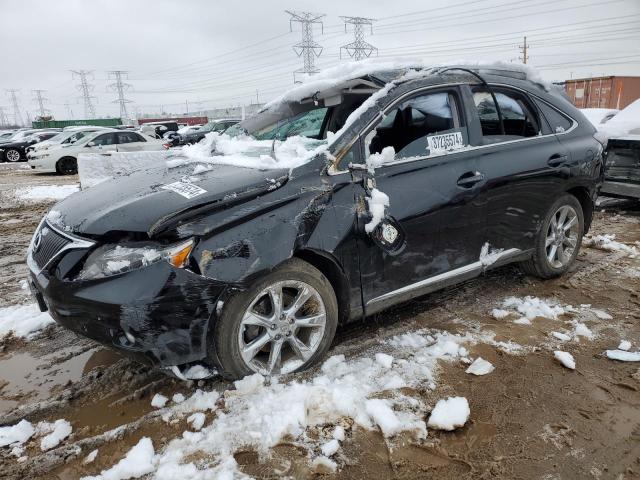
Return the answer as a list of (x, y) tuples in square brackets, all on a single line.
[(420, 125), (519, 116)]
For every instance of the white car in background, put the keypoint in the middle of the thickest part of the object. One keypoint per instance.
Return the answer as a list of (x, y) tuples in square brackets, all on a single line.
[(63, 138), (63, 159)]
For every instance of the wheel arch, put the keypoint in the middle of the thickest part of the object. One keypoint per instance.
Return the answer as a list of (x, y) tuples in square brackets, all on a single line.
[(584, 197), (331, 269)]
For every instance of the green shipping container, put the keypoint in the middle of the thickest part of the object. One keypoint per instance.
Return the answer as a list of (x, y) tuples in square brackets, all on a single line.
[(98, 122)]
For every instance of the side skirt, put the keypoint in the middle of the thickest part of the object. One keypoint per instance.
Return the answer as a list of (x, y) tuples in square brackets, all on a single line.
[(443, 280)]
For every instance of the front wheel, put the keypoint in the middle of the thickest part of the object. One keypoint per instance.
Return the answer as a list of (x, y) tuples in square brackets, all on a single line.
[(558, 240), (283, 323), (12, 155), (67, 166)]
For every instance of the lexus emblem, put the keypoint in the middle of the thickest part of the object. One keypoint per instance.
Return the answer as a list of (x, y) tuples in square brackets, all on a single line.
[(37, 241)]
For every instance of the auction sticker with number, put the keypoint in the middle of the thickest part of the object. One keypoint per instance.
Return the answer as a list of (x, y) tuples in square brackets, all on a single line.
[(446, 141), (186, 189)]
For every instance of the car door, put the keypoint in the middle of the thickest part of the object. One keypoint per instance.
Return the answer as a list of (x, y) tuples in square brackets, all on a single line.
[(105, 143), (432, 198), (522, 161)]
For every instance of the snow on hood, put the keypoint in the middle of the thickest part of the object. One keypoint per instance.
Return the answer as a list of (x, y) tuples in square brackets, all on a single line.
[(597, 115), (244, 151)]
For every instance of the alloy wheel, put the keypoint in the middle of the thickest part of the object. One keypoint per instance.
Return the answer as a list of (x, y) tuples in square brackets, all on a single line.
[(562, 236), (13, 155), (282, 328)]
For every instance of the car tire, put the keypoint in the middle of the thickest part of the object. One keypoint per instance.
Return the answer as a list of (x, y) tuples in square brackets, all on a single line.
[(547, 261), (230, 330), (67, 166), (12, 155)]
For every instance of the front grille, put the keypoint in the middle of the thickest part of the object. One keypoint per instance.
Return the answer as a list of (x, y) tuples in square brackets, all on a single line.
[(49, 244)]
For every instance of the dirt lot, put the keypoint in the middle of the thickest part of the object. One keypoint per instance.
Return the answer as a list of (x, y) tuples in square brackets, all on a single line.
[(530, 418)]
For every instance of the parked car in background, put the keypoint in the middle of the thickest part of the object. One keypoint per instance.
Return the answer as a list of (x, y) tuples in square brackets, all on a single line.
[(16, 151), (622, 171), (194, 136), (6, 134), (158, 129), (441, 175), (63, 159), (63, 138), (599, 115)]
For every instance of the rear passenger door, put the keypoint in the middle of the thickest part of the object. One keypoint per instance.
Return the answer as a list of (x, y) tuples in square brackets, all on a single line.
[(524, 165)]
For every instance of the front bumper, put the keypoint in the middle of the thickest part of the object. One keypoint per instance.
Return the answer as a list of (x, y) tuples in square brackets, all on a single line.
[(159, 315)]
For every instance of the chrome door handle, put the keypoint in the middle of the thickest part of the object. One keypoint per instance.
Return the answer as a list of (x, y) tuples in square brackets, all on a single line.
[(469, 179)]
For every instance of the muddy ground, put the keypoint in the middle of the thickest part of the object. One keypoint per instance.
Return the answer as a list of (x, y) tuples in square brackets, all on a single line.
[(530, 418)]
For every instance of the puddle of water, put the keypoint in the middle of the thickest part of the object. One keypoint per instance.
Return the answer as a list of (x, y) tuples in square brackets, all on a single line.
[(33, 378)]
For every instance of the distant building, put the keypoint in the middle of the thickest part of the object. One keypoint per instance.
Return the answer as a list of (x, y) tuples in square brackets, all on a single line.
[(603, 92)]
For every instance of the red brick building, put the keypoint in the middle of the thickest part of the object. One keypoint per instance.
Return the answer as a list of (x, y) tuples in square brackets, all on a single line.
[(603, 92)]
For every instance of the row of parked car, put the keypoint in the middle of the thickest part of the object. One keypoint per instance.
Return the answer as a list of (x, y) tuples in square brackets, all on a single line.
[(57, 150)]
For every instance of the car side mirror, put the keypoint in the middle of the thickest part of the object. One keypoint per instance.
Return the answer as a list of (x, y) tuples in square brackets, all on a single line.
[(91, 144)]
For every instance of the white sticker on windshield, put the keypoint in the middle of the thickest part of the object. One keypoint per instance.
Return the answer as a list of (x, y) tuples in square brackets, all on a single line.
[(186, 189), (446, 141)]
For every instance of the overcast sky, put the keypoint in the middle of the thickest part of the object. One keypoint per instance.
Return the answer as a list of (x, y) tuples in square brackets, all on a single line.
[(219, 53)]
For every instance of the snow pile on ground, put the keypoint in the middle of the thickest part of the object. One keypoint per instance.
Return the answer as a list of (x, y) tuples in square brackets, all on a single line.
[(22, 320), (159, 400), (624, 345), (54, 433), (139, 461), (480, 367), (17, 434), (529, 308), (46, 192), (623, 355), (260, 412), (565, 358), (607, 242), (244, 151), (449, 414)]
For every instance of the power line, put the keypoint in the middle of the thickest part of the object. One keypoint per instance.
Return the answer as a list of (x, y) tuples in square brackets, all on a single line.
[(17, 117), (359, 48), (40, 100), (120, 87), (85, 88), (308, 49)]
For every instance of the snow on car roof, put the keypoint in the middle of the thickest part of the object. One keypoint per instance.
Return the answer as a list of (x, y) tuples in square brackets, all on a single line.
[(336, 76)]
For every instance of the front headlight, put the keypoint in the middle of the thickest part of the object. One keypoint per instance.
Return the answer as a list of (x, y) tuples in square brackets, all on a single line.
[(115, 259)]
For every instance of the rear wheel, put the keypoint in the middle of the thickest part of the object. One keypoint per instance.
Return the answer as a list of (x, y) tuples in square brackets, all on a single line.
[(12, 155), (281, 324), (67, 166), (559, 239)]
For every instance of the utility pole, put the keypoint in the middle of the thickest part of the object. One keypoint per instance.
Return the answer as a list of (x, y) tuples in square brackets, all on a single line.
[(17, 118), (69, 110), (3, 118), (524, 49), (120, 87), (40, 100), (359, 48), (307, 48), (85, 88)]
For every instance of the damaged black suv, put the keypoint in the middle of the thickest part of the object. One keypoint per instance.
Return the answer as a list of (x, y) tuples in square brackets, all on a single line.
[(344, 197)]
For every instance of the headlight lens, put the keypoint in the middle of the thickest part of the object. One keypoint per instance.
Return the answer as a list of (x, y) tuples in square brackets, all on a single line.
[(114, 259)]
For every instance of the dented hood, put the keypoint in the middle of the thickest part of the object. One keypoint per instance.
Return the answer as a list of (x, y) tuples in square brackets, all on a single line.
[(148, 201)]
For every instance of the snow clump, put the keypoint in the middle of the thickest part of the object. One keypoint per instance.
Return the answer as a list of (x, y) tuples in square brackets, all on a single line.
[(449, 414), (565, 358)]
